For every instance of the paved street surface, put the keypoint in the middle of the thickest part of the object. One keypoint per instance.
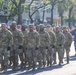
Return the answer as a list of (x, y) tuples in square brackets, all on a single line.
[(65, 69)]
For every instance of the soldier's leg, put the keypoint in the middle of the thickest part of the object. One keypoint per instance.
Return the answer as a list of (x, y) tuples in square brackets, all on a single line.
[(1, 61), (67, 54), (21, 57), (44, 57), (34, 58), (15, 60), (39, 59), (10, 61), (5, 61), (29, 58), (25, 57), (51, 57), (54, 56), (60, 56)]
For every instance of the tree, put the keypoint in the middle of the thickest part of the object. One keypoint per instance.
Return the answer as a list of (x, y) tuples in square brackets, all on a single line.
[(62, 7), (18, 5), (71, 6), (53, 3), (35, 7)]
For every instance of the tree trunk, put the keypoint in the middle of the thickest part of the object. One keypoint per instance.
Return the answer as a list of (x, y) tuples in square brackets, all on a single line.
[(69, 19), (19, 15), (43, 15), (52, 15), (61, 19), (30, 16), (31, 20)]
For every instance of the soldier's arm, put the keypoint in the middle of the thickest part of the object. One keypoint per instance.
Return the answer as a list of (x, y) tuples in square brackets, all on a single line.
[(63, 39), (10, 40), (21, 38), (54, 38), (70, 38), (37, 40), (48, 39)]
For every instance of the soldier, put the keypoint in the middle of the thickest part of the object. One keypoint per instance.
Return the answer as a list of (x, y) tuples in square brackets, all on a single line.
[(51, 51), (6, 42), (25, 32), (32, 46), (44, 44), (17, 45), (60, 40), (68, 41)]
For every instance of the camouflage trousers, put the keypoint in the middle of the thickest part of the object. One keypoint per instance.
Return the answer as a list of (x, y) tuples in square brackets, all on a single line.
[(14, 57), (3, 57), (50, 56), (60, 51), (54, 55), (67, 50), (44, 54), (31, 56)]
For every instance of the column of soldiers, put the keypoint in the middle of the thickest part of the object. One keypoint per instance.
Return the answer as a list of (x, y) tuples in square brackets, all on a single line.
[(36, 48)]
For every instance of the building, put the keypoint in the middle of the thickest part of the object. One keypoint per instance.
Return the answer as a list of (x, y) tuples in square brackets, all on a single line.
[(39, 14)]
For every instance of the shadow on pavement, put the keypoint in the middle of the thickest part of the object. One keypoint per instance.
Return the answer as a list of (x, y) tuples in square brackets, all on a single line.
[(25, 72), (72, 58)]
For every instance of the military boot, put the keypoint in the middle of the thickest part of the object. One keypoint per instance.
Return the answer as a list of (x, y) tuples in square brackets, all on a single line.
[(40, 65), (22, 65), (44, 64), (33, 66), (67, 60), (5, 68), (2, 66)]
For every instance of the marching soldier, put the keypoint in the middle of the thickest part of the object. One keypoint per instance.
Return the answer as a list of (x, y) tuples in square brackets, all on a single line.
[(60, 40), (32, 46), (17, 45), (44, 44), (6, 42), (68, 41), (25, 32), (51, 51)]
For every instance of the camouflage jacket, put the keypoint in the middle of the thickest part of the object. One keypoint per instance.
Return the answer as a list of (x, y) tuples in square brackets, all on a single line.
[(60, 39), (52, 38), (6, 38), (68, 38), (18, 37), (44, 38), (33, 39)]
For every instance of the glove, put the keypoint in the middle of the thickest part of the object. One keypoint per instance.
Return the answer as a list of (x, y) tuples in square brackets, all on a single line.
[(53, 46), (46, 47), (69, 45), (20, 47), (60, 45), (8, 48), (36, 48)]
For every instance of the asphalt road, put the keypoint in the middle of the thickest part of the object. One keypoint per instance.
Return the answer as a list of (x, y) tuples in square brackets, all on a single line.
[(65, 69)]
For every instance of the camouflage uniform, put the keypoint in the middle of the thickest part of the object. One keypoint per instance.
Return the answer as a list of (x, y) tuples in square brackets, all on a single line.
[(6, 41), (68, 41), (25, 32), (32, 45), (44, 45), (17, 47), (60, 39), (52, 52)]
